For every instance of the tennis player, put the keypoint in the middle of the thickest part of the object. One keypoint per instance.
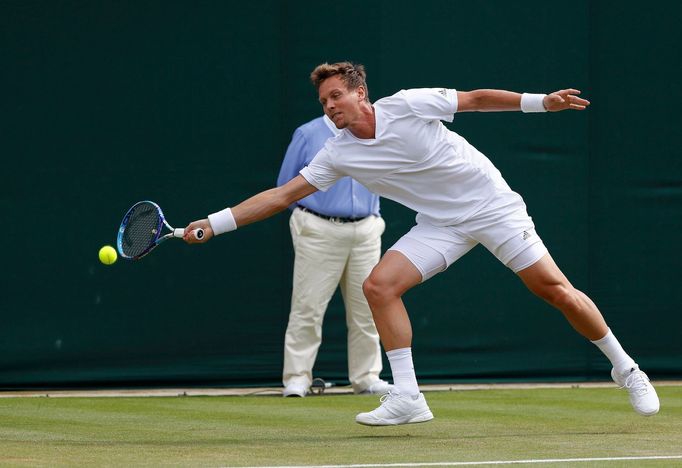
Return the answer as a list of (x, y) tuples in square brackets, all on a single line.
[(399, 149)]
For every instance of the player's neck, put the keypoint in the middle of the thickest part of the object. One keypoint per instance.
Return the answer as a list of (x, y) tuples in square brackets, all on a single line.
[(364, 127)]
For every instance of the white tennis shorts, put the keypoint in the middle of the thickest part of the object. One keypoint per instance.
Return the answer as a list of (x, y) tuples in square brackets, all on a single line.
[(503, 227)]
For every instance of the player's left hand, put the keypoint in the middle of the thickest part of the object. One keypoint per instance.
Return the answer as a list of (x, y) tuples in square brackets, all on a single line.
[(565, 99), (203, 224)]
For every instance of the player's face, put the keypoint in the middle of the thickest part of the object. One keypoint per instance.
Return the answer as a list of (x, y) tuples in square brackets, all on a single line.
[(340, 104)]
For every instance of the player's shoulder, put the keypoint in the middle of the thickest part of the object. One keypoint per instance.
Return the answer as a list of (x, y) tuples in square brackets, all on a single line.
[(393, 103), (404, 96), (393, 98), (417, 100)]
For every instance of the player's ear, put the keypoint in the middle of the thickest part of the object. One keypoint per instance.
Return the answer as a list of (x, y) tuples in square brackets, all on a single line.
[(361, 92)]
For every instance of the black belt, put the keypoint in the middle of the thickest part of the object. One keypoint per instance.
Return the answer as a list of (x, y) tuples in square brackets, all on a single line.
[(337, 219)]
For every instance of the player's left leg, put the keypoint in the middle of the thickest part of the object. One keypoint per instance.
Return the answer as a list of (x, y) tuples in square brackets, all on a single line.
[(545, 279), (505, 229)]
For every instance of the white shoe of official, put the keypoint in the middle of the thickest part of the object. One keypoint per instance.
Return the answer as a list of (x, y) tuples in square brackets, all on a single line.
[(380, 387), (643, 396), (295, 390), (397, 409)]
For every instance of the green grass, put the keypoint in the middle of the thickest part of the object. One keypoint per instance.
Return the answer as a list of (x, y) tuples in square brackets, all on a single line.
[(268, 430)]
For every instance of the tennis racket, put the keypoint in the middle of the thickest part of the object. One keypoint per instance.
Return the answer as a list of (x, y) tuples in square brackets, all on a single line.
[(141, 230)]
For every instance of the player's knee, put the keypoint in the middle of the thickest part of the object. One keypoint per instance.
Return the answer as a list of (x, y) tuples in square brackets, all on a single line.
[(370, 290), (561, 296), (376, 290)]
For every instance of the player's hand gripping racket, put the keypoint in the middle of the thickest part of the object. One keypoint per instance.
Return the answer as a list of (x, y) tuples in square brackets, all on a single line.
[(141, 230)]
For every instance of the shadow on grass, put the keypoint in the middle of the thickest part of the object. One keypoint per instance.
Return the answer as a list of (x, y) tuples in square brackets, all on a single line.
[(523, 435)]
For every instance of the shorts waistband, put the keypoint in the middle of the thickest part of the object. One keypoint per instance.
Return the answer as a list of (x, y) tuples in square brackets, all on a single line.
[(336, 219)]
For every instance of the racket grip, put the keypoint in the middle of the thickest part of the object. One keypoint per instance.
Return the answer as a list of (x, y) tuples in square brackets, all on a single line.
[(180, 232)]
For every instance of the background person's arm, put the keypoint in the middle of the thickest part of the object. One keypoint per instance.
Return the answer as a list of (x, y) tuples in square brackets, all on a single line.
[(294, 158)]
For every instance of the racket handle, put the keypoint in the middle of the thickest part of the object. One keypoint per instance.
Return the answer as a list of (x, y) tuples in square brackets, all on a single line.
[(180, 232)]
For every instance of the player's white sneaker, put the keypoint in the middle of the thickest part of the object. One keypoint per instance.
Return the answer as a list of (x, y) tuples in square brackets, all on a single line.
[(643, 396), (397, 409)]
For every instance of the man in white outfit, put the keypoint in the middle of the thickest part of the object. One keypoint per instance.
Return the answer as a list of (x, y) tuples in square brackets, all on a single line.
[(337, 241), (399, 149)]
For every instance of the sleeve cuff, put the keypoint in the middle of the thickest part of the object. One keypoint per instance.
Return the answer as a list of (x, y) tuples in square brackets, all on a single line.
[(222, 221), (454, 100), (305, 172)]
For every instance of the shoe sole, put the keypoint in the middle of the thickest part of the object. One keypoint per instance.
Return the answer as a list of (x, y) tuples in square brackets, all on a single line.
[(646, 414), (420, 418)]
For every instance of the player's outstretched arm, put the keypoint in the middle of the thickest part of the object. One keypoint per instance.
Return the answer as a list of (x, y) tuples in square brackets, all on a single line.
[(256, 208), (565, 99), (497, 100)]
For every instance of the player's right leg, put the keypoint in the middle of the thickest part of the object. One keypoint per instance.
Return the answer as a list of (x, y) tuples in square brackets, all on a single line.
[(389, 280), (416, 257)]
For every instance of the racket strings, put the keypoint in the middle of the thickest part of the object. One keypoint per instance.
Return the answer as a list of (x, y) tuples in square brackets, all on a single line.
[(142, 230)]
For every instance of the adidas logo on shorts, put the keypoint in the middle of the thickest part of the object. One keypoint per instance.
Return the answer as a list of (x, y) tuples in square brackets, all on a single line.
[(526, 235)]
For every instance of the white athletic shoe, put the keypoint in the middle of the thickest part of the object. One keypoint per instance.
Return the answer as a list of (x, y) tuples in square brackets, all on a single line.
[(397, 409), (295, 390), (643, 396), (380, 387)]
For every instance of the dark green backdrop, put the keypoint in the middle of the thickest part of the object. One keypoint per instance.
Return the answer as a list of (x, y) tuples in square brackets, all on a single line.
[(192, 104)]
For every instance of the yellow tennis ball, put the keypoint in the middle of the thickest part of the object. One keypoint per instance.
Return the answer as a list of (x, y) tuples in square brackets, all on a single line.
[(107, 255)]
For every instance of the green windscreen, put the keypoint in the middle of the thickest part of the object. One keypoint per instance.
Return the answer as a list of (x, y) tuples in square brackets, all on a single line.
[(192, 105)]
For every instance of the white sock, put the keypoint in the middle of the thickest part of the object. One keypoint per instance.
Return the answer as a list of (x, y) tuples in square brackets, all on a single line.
[(610, 346), (402, 368)]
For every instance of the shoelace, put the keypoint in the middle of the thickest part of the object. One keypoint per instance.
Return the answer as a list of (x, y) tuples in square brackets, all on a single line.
[(637, 381), (387, 396)]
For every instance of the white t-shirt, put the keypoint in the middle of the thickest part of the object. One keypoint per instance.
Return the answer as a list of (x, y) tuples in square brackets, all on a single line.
[(413, 159)]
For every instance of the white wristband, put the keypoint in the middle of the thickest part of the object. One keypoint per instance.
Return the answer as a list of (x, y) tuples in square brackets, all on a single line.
[(222, 221), (532, 102)]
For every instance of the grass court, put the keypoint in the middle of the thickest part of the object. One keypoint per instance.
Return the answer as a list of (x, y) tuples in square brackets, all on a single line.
[(503, 425)]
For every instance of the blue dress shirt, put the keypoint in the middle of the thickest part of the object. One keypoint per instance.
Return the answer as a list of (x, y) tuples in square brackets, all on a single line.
[(347, 198)]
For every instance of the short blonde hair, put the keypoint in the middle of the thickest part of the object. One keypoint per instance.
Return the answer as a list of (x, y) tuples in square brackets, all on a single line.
[(352, 74)]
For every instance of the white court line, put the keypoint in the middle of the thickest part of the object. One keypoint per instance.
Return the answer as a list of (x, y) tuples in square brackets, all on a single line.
[(475, 463)]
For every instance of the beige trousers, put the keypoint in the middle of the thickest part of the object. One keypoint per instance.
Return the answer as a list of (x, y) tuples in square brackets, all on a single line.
[(330, 254)]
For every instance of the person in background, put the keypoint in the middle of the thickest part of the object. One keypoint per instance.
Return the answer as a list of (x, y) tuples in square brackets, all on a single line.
[(337, 241)]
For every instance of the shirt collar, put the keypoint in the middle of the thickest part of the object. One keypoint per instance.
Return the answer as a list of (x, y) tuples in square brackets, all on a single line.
[(330, 124)]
